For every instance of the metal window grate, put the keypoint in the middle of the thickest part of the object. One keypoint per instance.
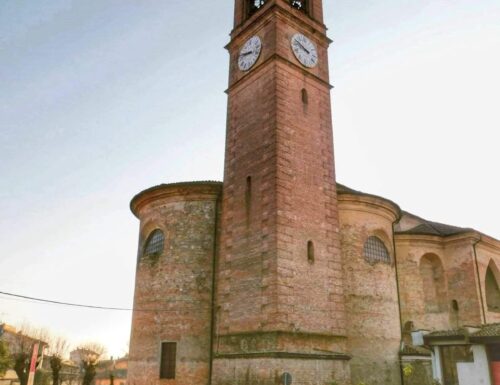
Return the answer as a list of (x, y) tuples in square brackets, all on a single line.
[(168, 358), (154, 244), (375, 251)]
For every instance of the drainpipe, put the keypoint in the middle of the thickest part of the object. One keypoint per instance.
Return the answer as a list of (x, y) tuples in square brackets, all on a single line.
[(214, 271), (479, 279), (398, 292)]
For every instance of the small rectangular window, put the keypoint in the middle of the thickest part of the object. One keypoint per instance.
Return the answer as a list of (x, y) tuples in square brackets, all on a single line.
[(167, 363)]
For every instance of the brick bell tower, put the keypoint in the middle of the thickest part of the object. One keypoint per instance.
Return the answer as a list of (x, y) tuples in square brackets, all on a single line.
[(279, 293)]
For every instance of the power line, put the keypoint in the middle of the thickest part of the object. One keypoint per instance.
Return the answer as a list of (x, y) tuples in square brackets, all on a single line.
[(49, 301), (64, 303)]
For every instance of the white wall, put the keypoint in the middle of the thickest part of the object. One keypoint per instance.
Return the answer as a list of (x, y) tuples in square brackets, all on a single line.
[(477, 372), (436, 365)]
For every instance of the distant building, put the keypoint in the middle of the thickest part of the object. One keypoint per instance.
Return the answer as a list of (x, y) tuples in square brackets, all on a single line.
[(19, 343), (117, 368), (80, 354)]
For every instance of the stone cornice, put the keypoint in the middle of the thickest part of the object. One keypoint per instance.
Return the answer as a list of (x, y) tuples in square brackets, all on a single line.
[(370, 204), (489, 243), (468, 237), (274, 58), (182, 191)]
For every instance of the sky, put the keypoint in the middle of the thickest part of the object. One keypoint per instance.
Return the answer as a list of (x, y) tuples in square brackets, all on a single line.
[(100, 99)]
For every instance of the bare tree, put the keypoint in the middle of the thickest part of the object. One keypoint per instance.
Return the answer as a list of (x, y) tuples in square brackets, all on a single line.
[(92, 352), (22, 347), (58, 347), (5, 360)]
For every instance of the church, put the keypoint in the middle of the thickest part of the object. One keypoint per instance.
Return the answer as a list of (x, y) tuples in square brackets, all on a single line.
[(281, 275)]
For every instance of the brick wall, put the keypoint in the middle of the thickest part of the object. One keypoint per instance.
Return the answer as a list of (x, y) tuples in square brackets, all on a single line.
[(373, 326), (177, 284), (456, 256)]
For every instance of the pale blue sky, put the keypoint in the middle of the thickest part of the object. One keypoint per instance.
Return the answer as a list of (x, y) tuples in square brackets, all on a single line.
[(100, 99)]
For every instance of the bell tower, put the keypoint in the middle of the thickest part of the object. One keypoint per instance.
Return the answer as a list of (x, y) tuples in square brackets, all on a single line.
[(279, 291)]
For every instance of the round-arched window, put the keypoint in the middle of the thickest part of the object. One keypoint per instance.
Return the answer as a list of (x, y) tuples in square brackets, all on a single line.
[(375, 251), (154, 244)]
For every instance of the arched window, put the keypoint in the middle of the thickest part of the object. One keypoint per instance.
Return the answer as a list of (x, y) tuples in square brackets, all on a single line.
[(154, 244), (375, 251), (433, 283), (491, 288)]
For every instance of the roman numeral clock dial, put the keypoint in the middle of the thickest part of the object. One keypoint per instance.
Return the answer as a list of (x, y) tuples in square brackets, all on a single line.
[(304, 50), (249, 53)]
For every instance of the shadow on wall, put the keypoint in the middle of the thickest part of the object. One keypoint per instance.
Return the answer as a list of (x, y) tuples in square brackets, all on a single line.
[(434, 284)]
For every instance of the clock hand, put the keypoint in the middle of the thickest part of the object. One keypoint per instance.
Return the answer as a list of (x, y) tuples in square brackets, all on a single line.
[(246, 53), (304, 48)]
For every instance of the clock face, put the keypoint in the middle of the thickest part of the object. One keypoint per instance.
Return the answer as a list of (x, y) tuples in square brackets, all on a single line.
[(249, 53), (304, 50)]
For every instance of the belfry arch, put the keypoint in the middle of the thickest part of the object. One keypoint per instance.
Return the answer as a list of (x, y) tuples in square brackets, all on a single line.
[(433, 283), (492, 290)]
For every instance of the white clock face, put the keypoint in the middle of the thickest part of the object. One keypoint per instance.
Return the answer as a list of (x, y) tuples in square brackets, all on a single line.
[(249, 53), (304, 50)]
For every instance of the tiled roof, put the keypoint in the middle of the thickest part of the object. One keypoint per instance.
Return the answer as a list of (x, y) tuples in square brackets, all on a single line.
[(424, 228), (447, 333), (490, 330), (435, 228), (342, 189), (480, 333), (410, 350)]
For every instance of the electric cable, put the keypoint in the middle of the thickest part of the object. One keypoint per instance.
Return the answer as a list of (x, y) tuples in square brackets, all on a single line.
[(49, 301)]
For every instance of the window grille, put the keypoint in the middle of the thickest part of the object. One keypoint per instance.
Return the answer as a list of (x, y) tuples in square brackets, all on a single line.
[(375, 251), (154, 244), (167, 360)]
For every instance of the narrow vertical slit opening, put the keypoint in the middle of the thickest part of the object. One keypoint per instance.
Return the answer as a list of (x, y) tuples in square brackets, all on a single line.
[(305, 96), (248, 198), (310, 252)]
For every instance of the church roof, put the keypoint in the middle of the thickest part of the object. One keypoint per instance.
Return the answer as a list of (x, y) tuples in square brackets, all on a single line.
[(435, 228), (422, 226), (343, 189), (427, 227), (158, 189)]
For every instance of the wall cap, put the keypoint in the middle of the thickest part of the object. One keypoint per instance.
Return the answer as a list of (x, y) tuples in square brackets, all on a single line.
[(195, 190)]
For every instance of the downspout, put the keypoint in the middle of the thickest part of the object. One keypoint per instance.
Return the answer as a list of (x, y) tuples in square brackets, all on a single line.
[(398, 293), (479, 278), (214, 271)]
